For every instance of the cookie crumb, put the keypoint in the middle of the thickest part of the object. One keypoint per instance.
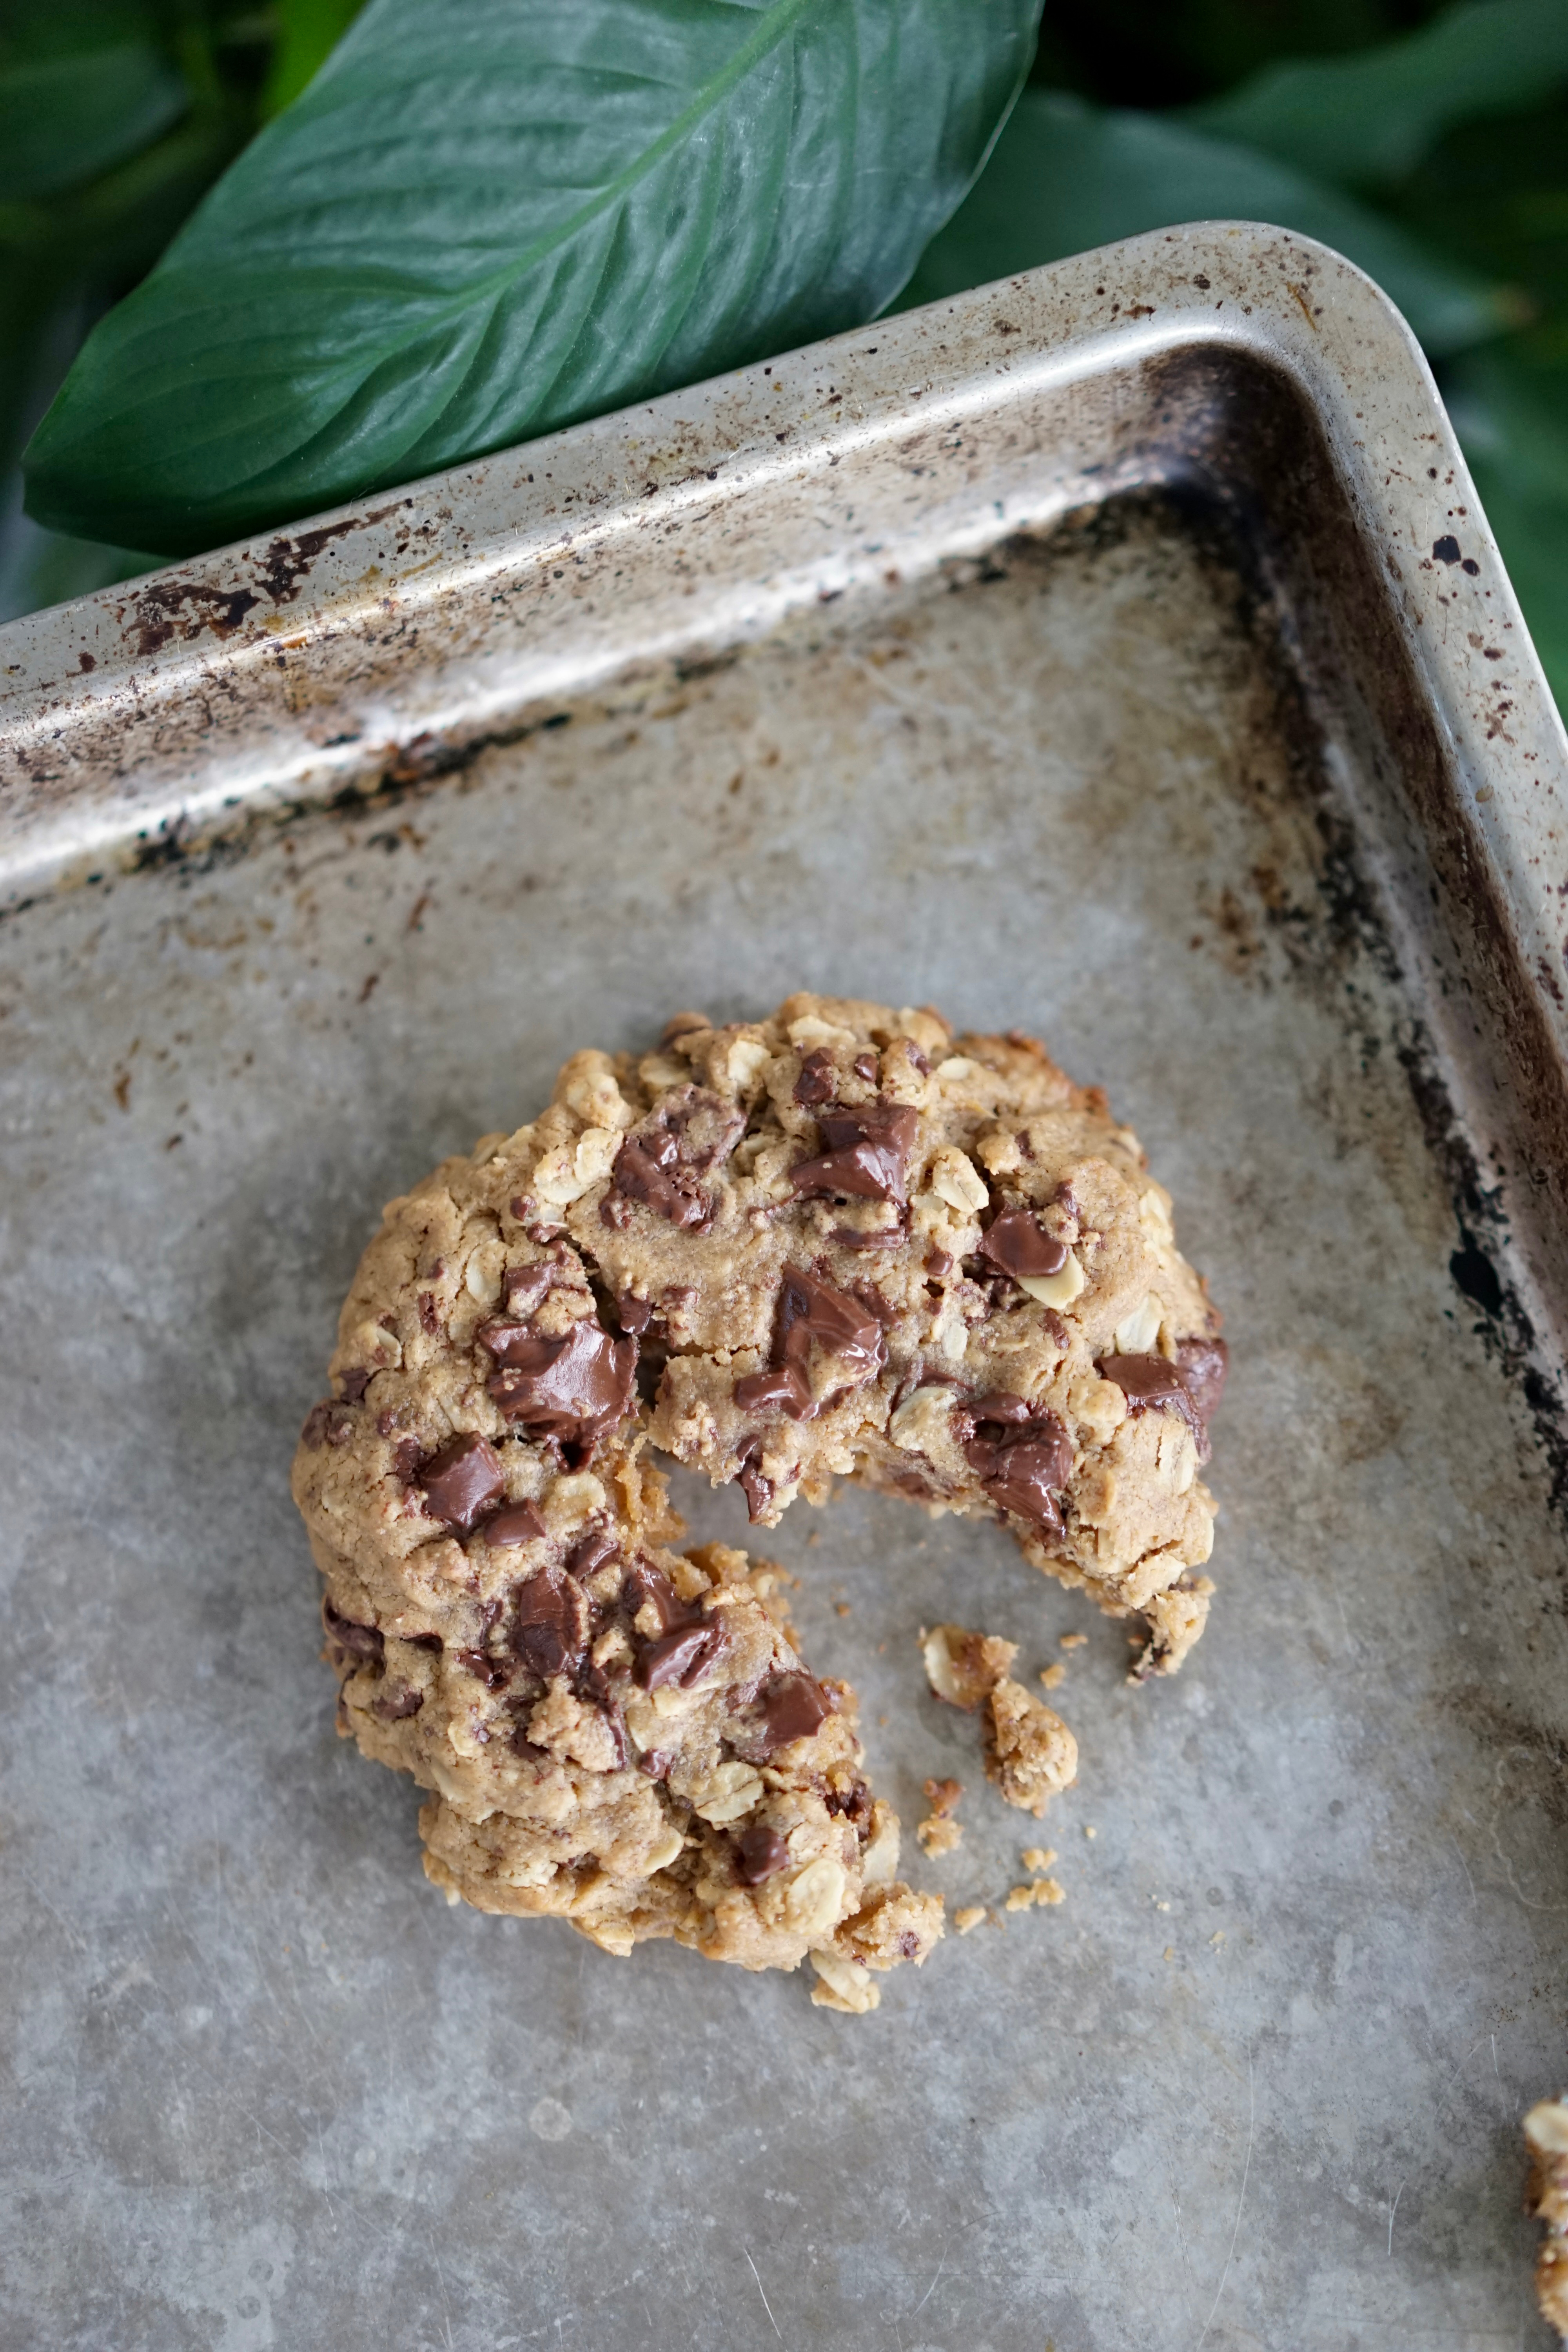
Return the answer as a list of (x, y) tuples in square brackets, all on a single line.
[(1089, 1830), (1029, 1752), (970, 1916), (963, 1668), (943, 1797), (1217, 1938), (938, 1837), (1169, 1952), (1043, 1890), (1159, 1903), (1039, 1857), (1074, 1641), (1546, 2200), (1054, 1676)]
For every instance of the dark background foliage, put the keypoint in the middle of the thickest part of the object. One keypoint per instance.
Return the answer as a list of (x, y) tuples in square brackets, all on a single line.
[(1431, 145)]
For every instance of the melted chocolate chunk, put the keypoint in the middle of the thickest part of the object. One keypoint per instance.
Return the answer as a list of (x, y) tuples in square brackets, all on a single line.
[(679, 1657), (326, 1424), (938, 1265), (1150, 1383), (760, 1853), (1015, 1244), (792, 1707), (519, 1523), (663, 1162), (867, 1157), (786, 1387), (865, 1066), (352, 1385), (422, 1640), (1021, 1455), (811, 1310), (656, 1764), (550, 1623), (818, 1079), (590, 1553), (1203, 1364), (635, 1313), (571, 1389), (526, 1288), (397, 1706), (461, 1482), (350, 1643), (644, 1583)]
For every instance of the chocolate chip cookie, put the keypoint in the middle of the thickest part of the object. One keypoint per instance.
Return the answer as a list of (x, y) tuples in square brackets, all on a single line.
[(839, 1241)]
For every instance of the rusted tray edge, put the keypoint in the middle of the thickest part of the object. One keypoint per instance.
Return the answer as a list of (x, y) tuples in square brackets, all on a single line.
[(391, 638)]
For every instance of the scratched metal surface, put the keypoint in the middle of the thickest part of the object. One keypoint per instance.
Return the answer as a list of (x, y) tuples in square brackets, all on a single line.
[(1257, 2082)]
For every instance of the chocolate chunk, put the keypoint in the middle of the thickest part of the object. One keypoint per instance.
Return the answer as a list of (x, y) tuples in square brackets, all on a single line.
[(590, 1552), (574, 1388), (854, 1803), (760, 1853), (422, 1640), (406, 1456), (786, 1387), (758, 1491), (1150, 1383), (679, 1657), (867, 1157), (351, 1386), (397, 1706), (326, 1424), (519, 1523), (635, 1313), (461, 1481), (526, 1288), (938, 1265), (792, 1706), (818, 1079), (494, 1673), (350, 1641), (644, 1583), (662, 1161), (656, 1764), (550, 1623), (1015, 1244), (1001, 1405), (1022, 1455), (865, 1066), (1203, 1364), (811, 1310)]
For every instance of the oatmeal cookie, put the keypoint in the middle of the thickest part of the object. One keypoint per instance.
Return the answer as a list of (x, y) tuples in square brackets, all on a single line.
[(836, 1241)]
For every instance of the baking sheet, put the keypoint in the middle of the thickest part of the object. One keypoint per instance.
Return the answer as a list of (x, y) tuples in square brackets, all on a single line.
[(1257, 2082)]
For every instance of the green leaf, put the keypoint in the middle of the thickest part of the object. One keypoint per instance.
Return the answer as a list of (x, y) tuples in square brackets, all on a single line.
[(308, 33), (63, 120), (1065, 177), (1372, 117), (480, 225)]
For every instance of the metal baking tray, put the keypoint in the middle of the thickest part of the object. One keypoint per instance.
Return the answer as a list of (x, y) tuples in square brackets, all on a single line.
[(1119, 652)]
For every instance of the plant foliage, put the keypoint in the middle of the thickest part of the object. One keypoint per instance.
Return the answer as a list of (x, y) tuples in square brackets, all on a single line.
[(480, 225)]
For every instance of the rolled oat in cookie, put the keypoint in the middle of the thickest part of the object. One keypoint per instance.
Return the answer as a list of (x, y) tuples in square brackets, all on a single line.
[(836, 1241)]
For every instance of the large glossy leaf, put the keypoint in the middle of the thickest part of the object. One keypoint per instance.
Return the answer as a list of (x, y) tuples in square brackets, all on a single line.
[(1373, 117), (1066, 176), (485, 220)]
